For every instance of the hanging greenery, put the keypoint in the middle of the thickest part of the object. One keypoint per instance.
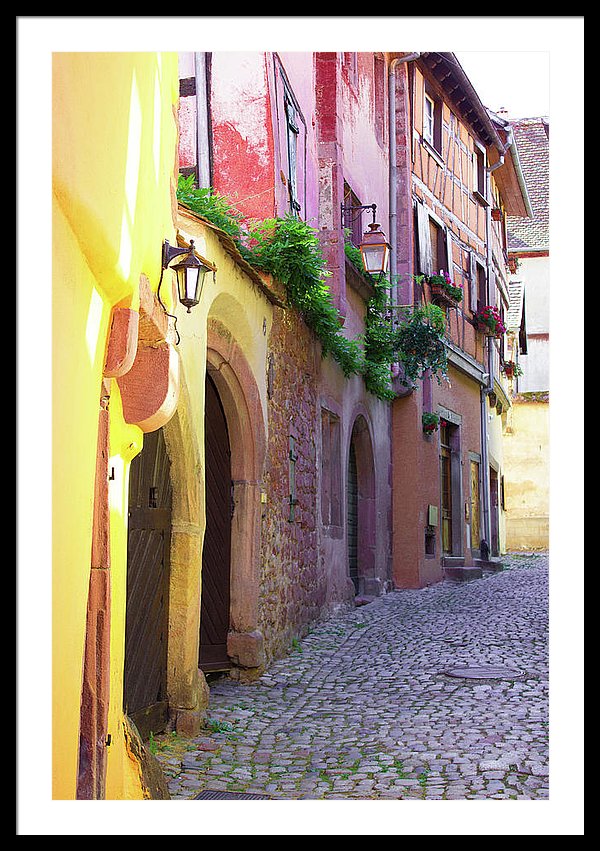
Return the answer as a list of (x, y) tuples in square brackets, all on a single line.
[(290, 250), (420, 342)]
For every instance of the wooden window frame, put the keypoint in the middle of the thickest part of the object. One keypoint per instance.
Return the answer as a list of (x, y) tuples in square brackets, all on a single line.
[(478, 288), (433, 139), (426, 263), (292, 124), (291, 141), (428, 118)]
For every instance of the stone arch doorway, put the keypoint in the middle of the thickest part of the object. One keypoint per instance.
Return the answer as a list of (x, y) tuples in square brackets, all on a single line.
[(360, 509), (234, 384)]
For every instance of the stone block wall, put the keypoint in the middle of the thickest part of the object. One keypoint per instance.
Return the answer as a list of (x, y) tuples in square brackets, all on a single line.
[(291, 588)]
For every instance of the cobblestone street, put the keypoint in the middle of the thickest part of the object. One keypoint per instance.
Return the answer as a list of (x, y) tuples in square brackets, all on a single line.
[(439, 693)]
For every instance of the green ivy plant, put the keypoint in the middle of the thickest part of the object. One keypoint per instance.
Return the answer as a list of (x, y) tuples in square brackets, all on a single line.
[(290, 250), (212, 206)]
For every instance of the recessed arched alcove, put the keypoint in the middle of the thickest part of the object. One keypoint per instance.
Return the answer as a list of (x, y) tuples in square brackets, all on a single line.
[(361, 507)]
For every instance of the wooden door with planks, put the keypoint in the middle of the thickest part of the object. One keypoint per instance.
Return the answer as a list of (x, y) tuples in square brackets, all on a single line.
[(216, 552), (352, 517), (146, 626)]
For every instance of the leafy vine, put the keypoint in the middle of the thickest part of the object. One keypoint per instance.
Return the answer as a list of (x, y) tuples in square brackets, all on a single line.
[(289, 249)]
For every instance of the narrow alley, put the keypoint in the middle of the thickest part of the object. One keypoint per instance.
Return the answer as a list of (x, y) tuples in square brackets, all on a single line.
[(437, 694)]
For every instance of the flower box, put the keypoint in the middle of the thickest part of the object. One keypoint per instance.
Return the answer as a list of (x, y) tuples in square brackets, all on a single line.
[(510, 369), (443, 291), (489, 322), (485, 329)]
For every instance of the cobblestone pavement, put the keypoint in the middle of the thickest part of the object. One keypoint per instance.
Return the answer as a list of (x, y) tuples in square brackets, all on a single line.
[(439, 693)]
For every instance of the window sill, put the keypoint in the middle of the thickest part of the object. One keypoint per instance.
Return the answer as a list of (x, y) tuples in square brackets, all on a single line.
[(480, 198), (433, 151)]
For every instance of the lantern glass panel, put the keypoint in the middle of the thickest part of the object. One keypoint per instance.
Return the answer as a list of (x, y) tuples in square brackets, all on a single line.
[(374, 257), (188, 281)]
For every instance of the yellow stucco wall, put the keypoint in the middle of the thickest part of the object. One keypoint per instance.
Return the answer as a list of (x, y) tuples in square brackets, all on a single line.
[(114, 160), (527, 475)]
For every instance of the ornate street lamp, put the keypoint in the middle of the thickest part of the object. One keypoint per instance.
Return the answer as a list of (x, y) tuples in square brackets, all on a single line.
[(191, 270), (375, 250), (374, 247)]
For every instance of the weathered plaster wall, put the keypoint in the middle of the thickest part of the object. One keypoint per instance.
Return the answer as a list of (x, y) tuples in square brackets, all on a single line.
[(243, 142)]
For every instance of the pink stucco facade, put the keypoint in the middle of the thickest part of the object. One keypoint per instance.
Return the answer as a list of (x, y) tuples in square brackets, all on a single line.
[(337, 146)]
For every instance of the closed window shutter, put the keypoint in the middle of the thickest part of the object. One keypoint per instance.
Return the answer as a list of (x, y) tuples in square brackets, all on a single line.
[(449, 256), (473, 281), (424, 237)]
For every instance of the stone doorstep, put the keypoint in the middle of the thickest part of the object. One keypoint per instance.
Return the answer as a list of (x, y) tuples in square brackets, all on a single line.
[(464, 572), (489, 564)]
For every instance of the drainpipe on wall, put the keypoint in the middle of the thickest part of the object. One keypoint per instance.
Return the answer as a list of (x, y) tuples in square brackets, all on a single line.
[(485, 390), (203, 146)]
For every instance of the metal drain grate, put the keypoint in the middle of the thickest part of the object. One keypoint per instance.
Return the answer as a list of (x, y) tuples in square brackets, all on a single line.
[(483, 672), (209, 795)]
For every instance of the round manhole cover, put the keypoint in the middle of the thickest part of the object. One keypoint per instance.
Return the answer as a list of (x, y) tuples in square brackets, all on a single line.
[(483, 672)]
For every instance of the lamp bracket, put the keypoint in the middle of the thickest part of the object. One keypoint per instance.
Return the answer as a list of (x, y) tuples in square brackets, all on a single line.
[(354, 212), (170, 252)]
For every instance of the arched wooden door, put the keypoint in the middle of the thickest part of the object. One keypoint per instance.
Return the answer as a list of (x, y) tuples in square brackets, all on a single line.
[(216, 552), (146, 626), (360, 508), (352, 517)]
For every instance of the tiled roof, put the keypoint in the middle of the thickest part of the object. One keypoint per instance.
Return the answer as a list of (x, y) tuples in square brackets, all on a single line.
[(532, 141)]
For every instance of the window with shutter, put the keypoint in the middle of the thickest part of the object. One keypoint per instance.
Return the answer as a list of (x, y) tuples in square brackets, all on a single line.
[(478, 284), (432, 120), (291, 143), (473, 281), (449, 267), (424, 240), (293, 131), (434, 243)]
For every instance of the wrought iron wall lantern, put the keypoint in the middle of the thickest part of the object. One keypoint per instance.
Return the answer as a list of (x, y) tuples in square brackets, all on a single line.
[(375, 250), (374, 247), (191, 271)]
